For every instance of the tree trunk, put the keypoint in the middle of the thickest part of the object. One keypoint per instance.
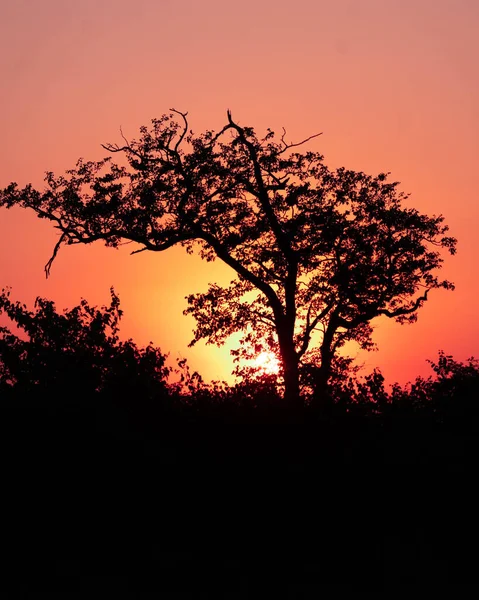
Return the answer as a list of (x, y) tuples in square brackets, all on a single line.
[(291, 385), (322, 399), (290, 363)]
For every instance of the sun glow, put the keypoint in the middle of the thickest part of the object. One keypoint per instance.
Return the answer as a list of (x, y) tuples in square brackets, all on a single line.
[(267, 363)]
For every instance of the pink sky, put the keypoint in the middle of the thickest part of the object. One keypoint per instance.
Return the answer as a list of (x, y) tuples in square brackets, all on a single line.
[(393, 84)]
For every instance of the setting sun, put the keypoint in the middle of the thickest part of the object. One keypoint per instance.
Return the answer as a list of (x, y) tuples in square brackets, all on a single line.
[(267, 363)]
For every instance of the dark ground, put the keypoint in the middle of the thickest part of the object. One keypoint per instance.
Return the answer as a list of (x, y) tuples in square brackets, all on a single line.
[(241, 511)]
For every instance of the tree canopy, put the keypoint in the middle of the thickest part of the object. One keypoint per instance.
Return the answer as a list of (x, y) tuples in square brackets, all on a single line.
[(73, 356), (317, 253)]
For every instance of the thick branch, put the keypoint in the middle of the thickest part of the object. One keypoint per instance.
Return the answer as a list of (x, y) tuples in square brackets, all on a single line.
[(310, 325), (261, 285), (376, 312), (283, 241), (263, 197)]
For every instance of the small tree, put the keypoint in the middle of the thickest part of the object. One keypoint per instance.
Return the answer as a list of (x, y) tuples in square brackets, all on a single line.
[(313, 250), (75, 355)]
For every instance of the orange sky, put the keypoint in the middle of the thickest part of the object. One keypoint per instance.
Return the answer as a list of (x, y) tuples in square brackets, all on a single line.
[(393, 84)]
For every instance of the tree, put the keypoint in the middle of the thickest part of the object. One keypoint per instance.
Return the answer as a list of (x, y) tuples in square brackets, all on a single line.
[(74, 356), (317, 253)]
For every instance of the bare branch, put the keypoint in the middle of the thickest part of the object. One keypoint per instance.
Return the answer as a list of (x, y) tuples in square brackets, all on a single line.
[(114, 148), (294, 145), (185, 128), (48, 266), (138, 251), (122, 135)]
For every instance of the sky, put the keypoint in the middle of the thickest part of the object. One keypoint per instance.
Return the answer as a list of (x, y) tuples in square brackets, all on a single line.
[(392, 84)]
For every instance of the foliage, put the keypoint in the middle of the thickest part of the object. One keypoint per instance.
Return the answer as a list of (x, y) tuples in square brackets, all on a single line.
[(317, 253), (451, 393), (76, 355)]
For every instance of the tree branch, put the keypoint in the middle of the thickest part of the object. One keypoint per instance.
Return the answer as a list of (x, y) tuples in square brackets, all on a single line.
[(292, 145), (223, 254), (406, 311), (263, 197), (376, 312), (271, 273), (310, 326), (283, 241), (266, 319), (127, 148), (48, 266), (185, 128)]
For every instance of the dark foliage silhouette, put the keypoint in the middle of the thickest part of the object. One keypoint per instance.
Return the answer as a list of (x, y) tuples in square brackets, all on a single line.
[(447, 397), (317, 253), (71, 358), (76, 358)]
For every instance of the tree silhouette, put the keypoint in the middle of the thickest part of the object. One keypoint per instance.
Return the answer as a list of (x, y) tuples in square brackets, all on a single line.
[(317, 253), (72, 357)]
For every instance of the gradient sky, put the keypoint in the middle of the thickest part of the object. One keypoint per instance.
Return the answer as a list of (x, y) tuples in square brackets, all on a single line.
[(392, 84)]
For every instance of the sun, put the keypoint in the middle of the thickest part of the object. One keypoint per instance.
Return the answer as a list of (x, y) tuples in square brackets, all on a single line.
[(267, 363)]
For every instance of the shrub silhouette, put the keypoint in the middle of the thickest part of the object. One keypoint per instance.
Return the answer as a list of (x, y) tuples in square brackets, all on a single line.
[(74, 357)]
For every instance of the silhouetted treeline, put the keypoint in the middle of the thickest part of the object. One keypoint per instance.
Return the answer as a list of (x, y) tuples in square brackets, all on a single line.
[(76, 358), (120, 467)]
